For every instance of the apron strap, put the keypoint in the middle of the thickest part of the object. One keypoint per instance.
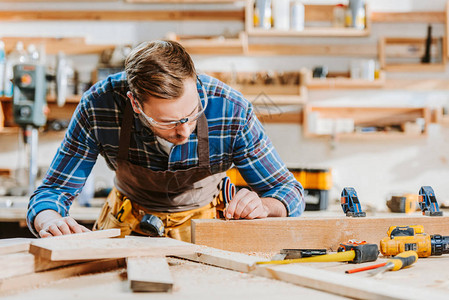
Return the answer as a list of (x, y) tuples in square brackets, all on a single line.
[(203, 142), (125, 131)]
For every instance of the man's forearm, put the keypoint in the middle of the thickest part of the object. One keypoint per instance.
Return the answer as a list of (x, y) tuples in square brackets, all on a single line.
[(275, 207)]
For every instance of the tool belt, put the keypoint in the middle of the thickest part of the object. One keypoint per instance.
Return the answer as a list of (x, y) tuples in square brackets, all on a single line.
[(177, 224)]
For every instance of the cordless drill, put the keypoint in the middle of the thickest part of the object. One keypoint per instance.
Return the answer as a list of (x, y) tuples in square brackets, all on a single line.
[(405, 238)]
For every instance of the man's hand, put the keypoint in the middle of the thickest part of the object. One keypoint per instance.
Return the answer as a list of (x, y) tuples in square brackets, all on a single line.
[(50, 223), (248, 205)]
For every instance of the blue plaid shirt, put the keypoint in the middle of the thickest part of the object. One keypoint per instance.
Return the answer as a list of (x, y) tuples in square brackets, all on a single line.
[(236, 137)]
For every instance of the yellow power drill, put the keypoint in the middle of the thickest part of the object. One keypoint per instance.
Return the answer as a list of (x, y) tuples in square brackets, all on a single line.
[(405, 238)]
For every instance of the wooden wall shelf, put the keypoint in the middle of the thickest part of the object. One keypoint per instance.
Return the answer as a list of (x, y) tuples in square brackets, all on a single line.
[(409, 17), (366, 117), (344, 82), (213, 45), (313, 13), (69, 46), (122, 15), (411, 49)]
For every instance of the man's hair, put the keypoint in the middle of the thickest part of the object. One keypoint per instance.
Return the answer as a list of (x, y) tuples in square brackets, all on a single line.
[(158, 69)]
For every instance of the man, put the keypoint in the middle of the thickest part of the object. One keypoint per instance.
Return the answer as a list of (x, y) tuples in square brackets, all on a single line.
[(170, 135)]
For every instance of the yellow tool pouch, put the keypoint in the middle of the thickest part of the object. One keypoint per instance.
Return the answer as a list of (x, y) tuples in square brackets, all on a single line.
[(177, 225)]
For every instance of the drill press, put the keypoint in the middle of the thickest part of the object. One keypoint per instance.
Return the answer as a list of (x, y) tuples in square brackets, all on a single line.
[(29, 109)]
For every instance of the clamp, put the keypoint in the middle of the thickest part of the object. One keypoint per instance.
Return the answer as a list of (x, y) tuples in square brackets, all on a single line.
[(428, 202), (350, 203)]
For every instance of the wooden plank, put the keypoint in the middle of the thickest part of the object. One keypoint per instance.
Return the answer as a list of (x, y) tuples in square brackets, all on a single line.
[(273, 234), (57, 250), (22, 244), (149, 274), (14, 245), (37, 279), (324, 280), (409, 17), (185, 1), (121, 15)]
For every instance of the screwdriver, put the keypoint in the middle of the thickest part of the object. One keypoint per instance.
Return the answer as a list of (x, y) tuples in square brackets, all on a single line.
[(398, 262)]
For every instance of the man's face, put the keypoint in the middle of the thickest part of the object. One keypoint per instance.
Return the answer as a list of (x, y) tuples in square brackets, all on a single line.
[(169, 110)]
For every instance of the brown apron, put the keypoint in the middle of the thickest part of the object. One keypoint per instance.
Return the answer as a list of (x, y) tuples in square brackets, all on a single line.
[(171, 195)]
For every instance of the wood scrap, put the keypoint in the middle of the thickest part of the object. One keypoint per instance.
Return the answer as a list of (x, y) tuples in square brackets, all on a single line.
[(273, 234), (38, 279), (14, 245), (56, 249), (327, 281), (149, 274)]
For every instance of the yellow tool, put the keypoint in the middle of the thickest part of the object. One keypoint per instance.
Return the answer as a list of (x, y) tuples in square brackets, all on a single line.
[(124, 210), (358, 254), (407, 203), (398, 262), (404, 238)]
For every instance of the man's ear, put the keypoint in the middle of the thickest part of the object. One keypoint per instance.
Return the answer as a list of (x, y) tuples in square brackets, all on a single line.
[(133, 102)]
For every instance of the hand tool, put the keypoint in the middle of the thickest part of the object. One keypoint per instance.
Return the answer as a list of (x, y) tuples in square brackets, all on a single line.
[(350, 203), (298, 253), (124, 210), (152, 225), (365, 268), (225, 196), (404, 238), (428, 202), (400, 261), (354, 254)]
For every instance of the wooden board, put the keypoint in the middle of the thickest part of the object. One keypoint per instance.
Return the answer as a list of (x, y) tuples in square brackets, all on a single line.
[(57, 250), (37, 279), (14, 245), (331, 282), (409, 17), (149, 274), (273, 234)]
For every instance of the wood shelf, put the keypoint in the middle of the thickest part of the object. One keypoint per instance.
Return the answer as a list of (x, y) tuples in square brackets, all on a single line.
[(344, 82), (363, 117), (407, 49), (409, 17), (69, 46), (313, 13), (310, 32), (121, 15), (214, 45)]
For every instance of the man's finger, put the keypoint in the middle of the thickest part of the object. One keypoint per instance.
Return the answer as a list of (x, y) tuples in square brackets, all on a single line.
[(250, 207), (74, 226), (246, 205), (259, 212), (54, 230), (44, 234), (63, 227), (84, 229), (230, 211)]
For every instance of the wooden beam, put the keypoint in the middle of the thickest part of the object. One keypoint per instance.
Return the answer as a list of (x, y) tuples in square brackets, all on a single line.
[(327, 281), (37, 279), (409, 17), (273, 234), (121, 15), (57, 250), (149, 274)]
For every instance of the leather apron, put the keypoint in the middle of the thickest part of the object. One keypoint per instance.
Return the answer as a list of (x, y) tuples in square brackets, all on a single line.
[(166, 192)]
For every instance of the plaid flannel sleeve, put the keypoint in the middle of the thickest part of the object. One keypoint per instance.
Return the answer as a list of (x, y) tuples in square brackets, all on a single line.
[(262, 168), (69, 169)]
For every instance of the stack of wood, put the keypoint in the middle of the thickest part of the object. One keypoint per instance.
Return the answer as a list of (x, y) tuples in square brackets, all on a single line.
[(28, 263)]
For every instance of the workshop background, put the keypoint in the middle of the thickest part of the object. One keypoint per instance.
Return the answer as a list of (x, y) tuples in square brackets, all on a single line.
[(377, 122)]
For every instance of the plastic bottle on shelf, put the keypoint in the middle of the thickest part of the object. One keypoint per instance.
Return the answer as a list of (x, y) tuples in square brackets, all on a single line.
[(297, 19), (262, 14), (2, 68), (33, 54), (339, 15), (281, 14), (17, 56)]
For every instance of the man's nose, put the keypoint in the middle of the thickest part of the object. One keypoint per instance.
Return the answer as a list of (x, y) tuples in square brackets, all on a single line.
[(183, 130)]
